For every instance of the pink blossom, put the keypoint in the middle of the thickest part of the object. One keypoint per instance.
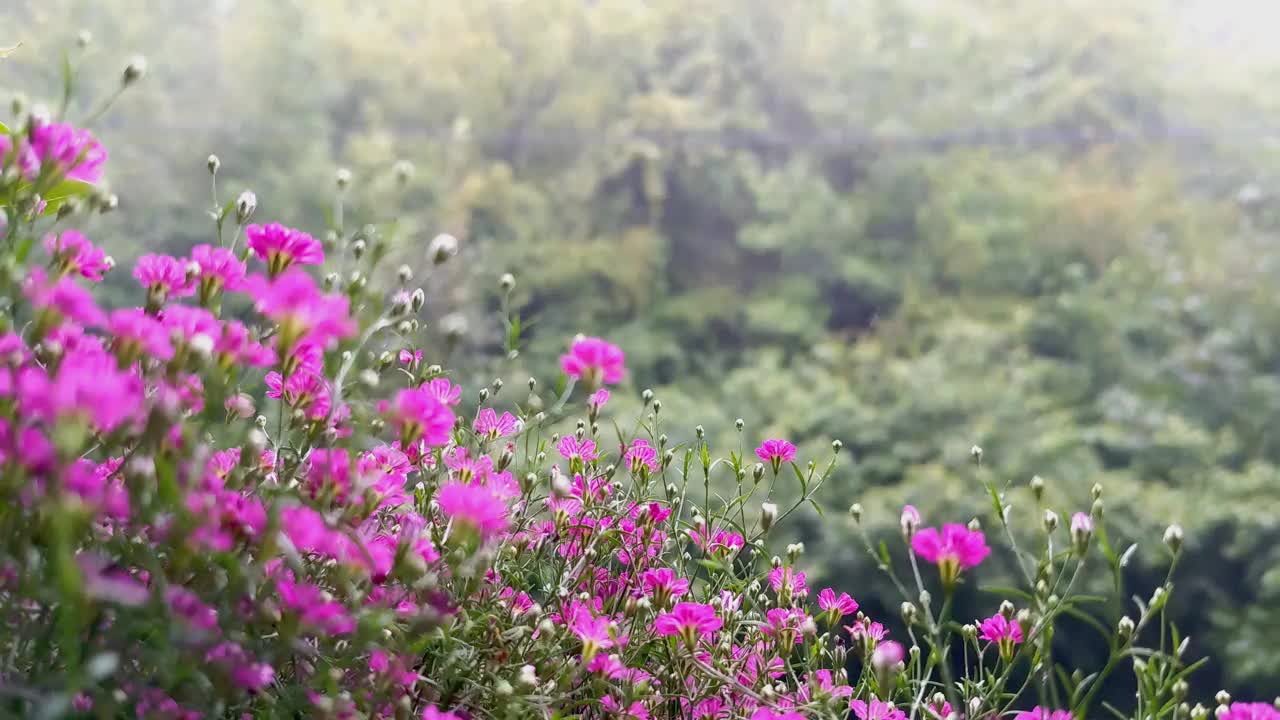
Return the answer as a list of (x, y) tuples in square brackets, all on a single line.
[(953, 549), (837, 606), (314, 606), (235, 346), (63, 297), (473, 505), (591, 630), (641, 455), (279, 246), (1236, 711), (433, 713), (876, 710), (73, 253), (786, 624), (765, 713), (137, 333), (571, 448), (1039, 713), (635, 711), (662, 584), (786, 580), (938, 712), (688, 620), (418, 414), (243, 671), (776, 451), (163, 276), (594, 361), (909, 521), (412, 358), (887, 654), (1004, 632), (444, 391), (303, 313), (61, 147), (488, 423), (717, 542), (598, 398), (219, 269)]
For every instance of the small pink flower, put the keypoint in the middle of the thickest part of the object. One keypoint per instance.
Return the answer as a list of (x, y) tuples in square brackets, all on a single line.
[(598, 398), (64, 297), (303, 313), (689, 621), (765, 713), (61, 147), (876, 710), (593, 631), (786, 624), (909, 521), (594, 361), (642, 455), (788, 581), (1239, 711), (938, 712), (775, 452), (953, 549), (571, 448), (75, 254), (434, 713), (163, 276), (418, 414), (412, 358), (444, 391), (137, 333), (488, 423), (473, 505), (280, 247), (1039, 713), (886, 655), (219, 269), (1003, 632), (663, 585), (837, 607)]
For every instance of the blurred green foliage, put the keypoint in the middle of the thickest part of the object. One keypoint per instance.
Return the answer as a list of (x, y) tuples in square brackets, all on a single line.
[(1048, 229)]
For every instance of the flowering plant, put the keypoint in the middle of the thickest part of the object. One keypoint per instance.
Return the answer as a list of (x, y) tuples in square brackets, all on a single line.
[(232, 501)]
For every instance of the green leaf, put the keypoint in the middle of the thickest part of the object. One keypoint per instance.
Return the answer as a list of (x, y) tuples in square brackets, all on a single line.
[(513, 334), (817, 508), (23, 249), (4, 128), (58, 194)]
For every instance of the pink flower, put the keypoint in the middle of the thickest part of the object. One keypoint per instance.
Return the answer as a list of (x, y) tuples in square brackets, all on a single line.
[(836, 607), (314, 607), (787, 581), (876, 710), (279, 246), (444, 391), (303, 312), (689, 621), (186, 605), (163, 276), (663, 585), (1240, 711), (598, 399), (434, 713), (954, 549), (63, 297), (571, 448), (765, 713), (220, 269), (243, 671), (488, 423), (137, 334), (776, 451), (473, 505), (910, 521), (412, 358), (418, 414), (61, 147), (786, 624), (1005, 633), (721, 542), (642, 455), (938, 712), (73, 253), (635, 711), (591, 630), (594, 361), (886, 655), (1039, 713), (234, 346)]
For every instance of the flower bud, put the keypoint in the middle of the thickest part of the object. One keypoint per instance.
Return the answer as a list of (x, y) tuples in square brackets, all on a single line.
[(1173, 538), (403, 170), (909, 613), (739, 424), (836, 446), (1222, 698), (855, 510), (1050, 521), (442, 247), (1199, 712), (1125, 628), (245, 205), (768, 514), (1096, 492), (1081, 532), (213, 163), (83, 39), (757, 472), (975, 452), (909, 521), (342, 178), (507, 282), (135, 70), (1007, 609), (975, 525)]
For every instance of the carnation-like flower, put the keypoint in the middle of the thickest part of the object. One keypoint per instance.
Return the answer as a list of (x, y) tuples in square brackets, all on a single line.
[(786, 581), (953, 549), (1039, 713), (303, 313), (593, 631), (641, 455), (1245, 711), (776, 451), (836, 607), (594, 362), (473, 505), (72, 253), (136, 333), (689, 621), (219, 269), (1002, 631), (419, 415), (571, 448), (598, 399), (280, 247), (663, 585), (61, 299), (434, 713), (488, 423), (163, 276), (874, 709), (61, 147)]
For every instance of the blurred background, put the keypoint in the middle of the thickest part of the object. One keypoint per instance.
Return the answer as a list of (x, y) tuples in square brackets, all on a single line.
[(1045, 228)]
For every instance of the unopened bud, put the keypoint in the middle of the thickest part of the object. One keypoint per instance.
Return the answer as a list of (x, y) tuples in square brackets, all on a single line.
[(757, 472), (836, 446), (1173, 538), (213, 163), (1222, 698), (1050, 521), (83, 39), (342, 178), (739, 424), (507, 282), (768, 514), (1096, 491), (1125, 628), (1037, 487), (135, 70), (909, 613), (403, 170), (245, 205), (855, 510), (442, 247), (1007, 609), (975, 452)]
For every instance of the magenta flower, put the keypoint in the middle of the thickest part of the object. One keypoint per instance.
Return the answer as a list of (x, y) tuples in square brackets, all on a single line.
[(473, 505), (663, 585), (279, 246), (61, 147), (433, 713), (1003, 632), (591, 630), (186, 605), (220, 269), (953, 549), (786, 625), (164, 276), (689, 621), (875, 710), (303, 313), (235, 346), (418, 414), (598, 399), (488, 423), (1039, 713), (887, 654), (1244, 711), (74, 254), (641, 455), (594, 361), (765, 713), (136, 333), (938, 712), (776, 451), (836, 607), (717, 542), (314, 607), (62, 297), (444, 391), (786, 581), (240, 667), (571, 448)]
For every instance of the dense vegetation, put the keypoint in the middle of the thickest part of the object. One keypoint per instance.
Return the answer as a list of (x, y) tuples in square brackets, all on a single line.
[(1046, 230)]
